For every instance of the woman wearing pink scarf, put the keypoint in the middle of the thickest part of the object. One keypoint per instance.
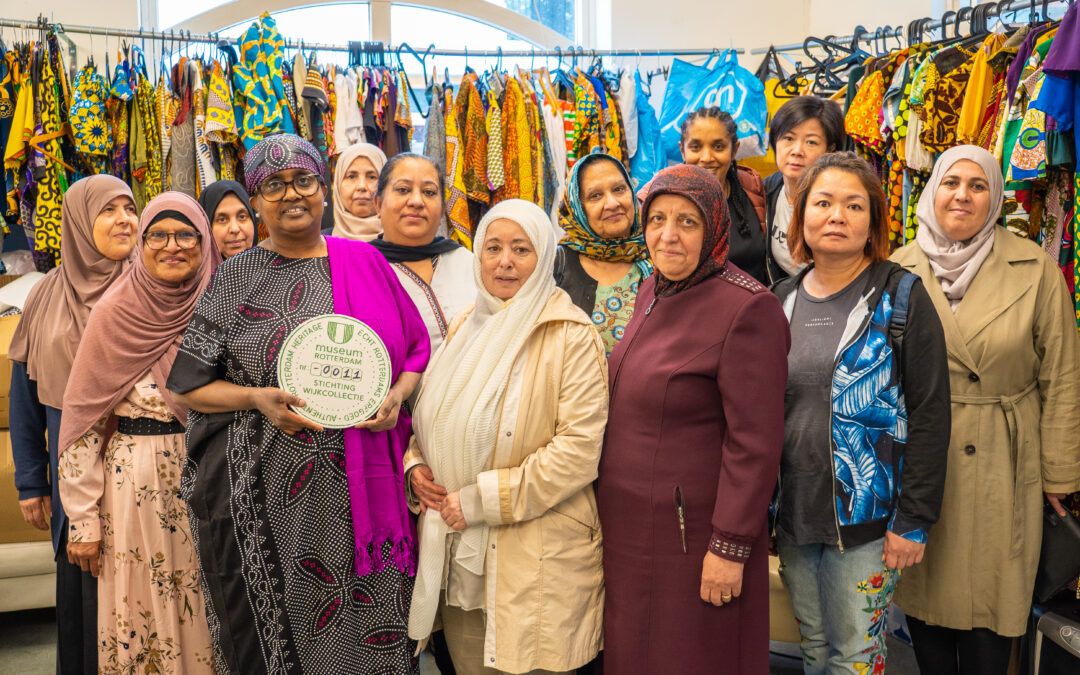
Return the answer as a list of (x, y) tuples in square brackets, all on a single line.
[(122, 449)]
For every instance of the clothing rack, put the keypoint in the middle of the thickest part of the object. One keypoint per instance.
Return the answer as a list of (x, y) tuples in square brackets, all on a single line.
[(952, 18), (181, 37)]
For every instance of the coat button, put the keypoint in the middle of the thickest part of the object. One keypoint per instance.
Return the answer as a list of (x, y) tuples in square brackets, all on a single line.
[(508, 434), (973, 377), (969, 450)]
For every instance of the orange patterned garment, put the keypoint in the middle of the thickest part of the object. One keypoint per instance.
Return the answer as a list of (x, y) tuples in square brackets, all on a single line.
[(862, 121), (944, 98)]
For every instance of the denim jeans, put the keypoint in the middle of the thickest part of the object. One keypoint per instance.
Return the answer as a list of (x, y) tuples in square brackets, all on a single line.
[(841, 601)]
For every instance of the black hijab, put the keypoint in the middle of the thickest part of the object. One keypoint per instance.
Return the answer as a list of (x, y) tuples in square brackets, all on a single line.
[(398, 253), (213, 194)]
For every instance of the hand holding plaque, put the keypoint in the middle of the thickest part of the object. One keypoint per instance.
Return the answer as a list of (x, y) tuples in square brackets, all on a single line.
[(339, 366)]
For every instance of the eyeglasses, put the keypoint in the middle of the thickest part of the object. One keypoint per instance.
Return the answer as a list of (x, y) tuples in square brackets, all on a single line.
[(305, 185), (158, 240)]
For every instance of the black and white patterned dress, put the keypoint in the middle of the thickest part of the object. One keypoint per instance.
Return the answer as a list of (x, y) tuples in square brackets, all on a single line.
[(270, 512)]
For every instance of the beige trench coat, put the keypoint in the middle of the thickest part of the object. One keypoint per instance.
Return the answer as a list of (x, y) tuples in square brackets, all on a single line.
[(1014, 375), (543, 572)]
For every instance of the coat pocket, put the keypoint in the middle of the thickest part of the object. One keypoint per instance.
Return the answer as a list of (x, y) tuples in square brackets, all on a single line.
[(680, 515)]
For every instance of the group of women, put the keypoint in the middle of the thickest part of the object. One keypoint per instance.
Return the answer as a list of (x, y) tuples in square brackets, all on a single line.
[(582, 437)]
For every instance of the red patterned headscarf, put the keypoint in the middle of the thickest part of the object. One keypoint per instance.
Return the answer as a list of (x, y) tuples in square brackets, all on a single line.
[(703, 189)]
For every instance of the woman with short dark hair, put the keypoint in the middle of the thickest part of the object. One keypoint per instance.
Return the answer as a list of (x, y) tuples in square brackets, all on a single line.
[(803, 129), (866, 419)]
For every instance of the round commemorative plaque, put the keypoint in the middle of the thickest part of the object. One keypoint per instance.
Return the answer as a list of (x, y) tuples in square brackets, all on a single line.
[(339, 366)]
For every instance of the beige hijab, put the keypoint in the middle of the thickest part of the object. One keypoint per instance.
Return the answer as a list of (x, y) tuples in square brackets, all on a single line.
[(459, 407), (345, 223), (58, 307), (955, 263)]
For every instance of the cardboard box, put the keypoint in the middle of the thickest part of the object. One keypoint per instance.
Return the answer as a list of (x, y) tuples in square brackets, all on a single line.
[(12, 526), (7, 330)]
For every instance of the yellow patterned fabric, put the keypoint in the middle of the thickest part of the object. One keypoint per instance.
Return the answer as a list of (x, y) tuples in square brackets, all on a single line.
[(613, 140), (946, 83), (220, 119), (88, 127), (496, 177), (165, 103), (520, 182), (258, 81), (472, 125), (587, 132), (329, 113), (22, 128), (147, 112), (53, 184), (977, 95), (404, 112), (145, 144), (457, 203), (862, 121)]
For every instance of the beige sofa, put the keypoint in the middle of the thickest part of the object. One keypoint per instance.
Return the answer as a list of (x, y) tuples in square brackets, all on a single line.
[(27, 568)]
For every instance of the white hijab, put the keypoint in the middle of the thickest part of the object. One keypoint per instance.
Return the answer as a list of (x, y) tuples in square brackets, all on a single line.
[(955, 263), (457, 412), (345, 223)]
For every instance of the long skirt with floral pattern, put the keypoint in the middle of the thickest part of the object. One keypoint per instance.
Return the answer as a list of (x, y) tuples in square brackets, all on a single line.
[(151, 617)]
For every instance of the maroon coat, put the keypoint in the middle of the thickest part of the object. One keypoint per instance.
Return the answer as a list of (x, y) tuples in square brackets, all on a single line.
[(697, 402)]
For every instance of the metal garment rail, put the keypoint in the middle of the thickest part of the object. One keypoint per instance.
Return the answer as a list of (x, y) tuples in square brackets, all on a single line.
[(898, 32), (181, 37)]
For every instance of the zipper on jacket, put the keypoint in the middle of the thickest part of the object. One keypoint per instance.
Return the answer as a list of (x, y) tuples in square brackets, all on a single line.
[(680, 511), (832, 460), (649, 308)]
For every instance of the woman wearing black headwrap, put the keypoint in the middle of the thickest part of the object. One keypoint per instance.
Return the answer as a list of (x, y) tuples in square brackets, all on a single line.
[(228, 207)]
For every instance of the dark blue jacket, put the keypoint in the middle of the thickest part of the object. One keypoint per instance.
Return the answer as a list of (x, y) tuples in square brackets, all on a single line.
[(35, 460)]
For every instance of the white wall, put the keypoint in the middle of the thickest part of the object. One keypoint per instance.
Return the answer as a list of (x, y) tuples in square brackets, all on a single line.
[(750, 23), (111, 14), (635, 24)]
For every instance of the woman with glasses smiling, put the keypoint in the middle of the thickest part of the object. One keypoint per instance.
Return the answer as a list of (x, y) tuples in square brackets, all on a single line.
[(122, 449), (306, 544)]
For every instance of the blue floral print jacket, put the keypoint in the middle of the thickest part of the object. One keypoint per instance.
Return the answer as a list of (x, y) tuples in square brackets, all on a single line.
[(889, 432)]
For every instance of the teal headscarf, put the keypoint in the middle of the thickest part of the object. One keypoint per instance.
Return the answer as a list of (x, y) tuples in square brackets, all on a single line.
[(581, 238)]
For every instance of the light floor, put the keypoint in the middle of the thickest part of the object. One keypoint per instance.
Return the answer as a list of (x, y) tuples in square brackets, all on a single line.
[(28, 647)]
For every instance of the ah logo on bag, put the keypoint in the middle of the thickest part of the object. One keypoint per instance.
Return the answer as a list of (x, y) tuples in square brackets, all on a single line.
[(725, 85)]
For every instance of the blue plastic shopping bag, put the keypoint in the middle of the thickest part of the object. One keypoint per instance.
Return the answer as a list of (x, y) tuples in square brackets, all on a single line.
[(649, 158), (726, 85)]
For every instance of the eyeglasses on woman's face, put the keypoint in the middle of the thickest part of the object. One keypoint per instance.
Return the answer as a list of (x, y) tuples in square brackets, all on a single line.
[(156, 240), (305, 185)]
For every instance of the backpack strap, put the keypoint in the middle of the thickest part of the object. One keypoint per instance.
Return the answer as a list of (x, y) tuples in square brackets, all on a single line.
[(900, 307)]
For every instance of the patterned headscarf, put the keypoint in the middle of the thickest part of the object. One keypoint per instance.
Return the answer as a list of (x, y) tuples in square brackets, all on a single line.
[(702, 188), (581, 238), (279, 153)]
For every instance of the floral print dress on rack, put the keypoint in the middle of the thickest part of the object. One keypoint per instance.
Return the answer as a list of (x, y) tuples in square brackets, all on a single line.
[(151, 615)]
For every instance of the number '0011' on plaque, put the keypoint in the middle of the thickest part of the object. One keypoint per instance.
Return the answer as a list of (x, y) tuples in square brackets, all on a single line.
[(339, 366)]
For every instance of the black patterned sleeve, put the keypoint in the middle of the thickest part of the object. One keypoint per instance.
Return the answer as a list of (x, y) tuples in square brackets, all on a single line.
[(199, 361)]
